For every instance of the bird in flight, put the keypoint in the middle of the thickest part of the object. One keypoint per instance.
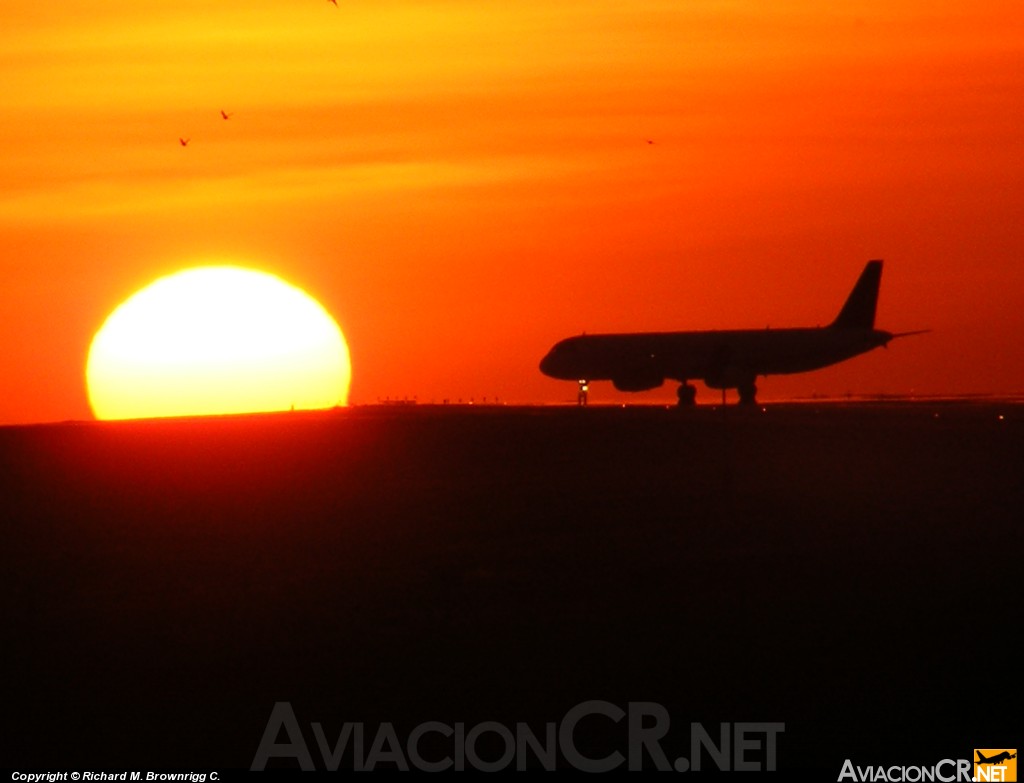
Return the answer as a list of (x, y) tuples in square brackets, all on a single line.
[(333, 1), (184, 142), (225, 115)]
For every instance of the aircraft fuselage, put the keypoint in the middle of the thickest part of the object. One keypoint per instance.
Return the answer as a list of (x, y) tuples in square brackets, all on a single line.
[(722, 359)]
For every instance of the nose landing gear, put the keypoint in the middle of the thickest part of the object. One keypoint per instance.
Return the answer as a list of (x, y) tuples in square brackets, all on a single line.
[(581, 395)]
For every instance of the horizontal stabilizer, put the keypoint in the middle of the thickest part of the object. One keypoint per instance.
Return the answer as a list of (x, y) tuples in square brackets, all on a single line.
[(910, 334)]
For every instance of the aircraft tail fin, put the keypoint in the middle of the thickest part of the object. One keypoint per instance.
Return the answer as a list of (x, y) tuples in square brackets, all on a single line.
[(859, 310)]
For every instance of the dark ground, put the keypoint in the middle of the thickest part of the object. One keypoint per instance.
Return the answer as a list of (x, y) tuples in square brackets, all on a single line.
[(852, 571)]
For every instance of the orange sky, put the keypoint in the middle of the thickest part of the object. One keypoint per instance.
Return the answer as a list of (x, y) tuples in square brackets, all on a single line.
[(463, 183)]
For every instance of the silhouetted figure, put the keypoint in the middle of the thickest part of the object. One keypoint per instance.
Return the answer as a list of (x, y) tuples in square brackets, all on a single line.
[(224, 115), (726, 358), (184, 142), (997, 759)]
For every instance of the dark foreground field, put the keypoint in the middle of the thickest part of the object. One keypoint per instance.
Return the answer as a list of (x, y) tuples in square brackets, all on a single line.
[(852, 572)]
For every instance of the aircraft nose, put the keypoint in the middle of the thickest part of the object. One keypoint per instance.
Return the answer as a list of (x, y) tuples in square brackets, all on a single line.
[(545, 364), (553, 364)]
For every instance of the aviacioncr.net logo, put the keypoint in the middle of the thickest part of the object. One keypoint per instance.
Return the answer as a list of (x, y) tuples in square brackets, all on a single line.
[(945, 771), (642, 738)]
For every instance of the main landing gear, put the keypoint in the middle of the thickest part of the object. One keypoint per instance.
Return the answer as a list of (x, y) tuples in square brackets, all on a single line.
[(687, 395), (748, 393)]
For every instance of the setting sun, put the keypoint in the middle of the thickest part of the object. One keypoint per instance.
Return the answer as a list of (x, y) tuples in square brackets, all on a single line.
[(216, 340)]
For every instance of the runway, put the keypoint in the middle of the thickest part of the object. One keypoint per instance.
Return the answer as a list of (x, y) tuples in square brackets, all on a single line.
[(851, 571)]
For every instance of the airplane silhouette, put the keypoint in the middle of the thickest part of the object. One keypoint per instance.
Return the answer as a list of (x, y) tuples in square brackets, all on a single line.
[(722, 359), (225, 115), (184, 142), (996, 759)]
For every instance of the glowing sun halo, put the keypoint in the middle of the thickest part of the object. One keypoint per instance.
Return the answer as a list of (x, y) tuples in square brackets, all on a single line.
[(214, 340)]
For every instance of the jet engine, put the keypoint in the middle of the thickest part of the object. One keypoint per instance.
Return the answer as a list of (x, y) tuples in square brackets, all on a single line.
[(638, 381)]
